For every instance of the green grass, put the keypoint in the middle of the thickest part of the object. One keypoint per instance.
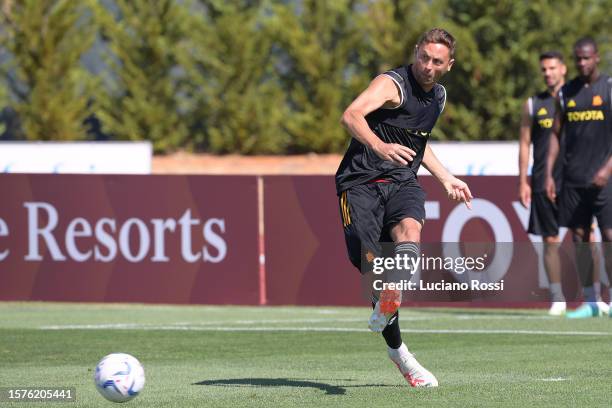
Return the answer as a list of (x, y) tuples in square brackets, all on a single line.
[(296, 357)]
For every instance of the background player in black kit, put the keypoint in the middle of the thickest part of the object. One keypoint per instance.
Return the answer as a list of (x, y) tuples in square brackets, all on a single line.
[(380, 197), (536, 124), (584, 112)]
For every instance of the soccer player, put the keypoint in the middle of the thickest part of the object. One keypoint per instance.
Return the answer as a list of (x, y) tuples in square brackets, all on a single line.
[(380, 197), (536, 124), (584, 113)]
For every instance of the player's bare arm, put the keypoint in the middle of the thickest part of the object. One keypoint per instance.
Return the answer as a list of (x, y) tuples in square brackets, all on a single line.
[(382, 92), (524, 146), (456, 189), (553, 152)]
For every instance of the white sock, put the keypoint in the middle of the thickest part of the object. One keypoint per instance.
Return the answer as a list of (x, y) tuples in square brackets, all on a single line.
[(556, 293), (597, 289), (395, 353)]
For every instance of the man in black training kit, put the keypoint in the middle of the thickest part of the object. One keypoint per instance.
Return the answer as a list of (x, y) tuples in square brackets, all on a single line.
[(380, 197), (584, 113), (536, 124)]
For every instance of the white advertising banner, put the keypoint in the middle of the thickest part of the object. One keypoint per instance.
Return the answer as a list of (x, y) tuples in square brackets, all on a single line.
[(76, 157), (478, 158)]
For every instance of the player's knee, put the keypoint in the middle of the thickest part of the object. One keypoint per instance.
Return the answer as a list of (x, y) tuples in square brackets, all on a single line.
[(407, 230)]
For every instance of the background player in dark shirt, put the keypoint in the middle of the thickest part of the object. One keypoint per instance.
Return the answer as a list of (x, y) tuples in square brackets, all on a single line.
[(536, 124), (584, 112), (380, 197)]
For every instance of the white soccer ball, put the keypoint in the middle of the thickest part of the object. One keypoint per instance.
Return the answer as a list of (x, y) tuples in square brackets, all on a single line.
[(119, 377)]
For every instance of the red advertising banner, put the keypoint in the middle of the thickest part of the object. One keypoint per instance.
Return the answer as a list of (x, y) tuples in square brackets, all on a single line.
[(158, 239), (306, 261), (205, 240)]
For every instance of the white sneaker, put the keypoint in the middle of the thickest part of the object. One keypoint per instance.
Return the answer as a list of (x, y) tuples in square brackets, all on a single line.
[(413, 372), (557, 309), (604, 308)]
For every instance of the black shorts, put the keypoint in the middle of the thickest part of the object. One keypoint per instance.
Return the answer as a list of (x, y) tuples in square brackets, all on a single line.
[(369, 211), (543, 216), (578, 206)]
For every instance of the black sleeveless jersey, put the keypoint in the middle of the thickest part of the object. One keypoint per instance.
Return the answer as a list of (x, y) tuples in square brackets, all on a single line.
[(409, 124), (587, 122), (542, 113)]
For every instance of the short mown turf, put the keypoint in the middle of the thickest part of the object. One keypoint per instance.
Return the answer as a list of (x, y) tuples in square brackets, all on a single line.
[(213, 356)]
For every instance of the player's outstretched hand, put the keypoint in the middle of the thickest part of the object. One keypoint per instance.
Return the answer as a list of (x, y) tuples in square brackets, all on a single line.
[(395, 153), (458, 190)]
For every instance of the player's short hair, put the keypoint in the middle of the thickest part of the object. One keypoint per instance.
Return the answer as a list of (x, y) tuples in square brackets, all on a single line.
[(584, 42), (438, 36), (552, 55)]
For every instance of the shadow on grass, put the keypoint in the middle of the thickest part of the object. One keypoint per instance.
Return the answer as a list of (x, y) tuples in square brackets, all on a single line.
[(285, 382)]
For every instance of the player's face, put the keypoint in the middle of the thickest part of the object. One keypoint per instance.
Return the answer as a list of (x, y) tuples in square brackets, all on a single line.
[(586, 60), (553, 71), (431, 62)]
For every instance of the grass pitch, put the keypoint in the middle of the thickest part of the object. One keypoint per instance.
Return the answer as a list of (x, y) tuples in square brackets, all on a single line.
[(305, 356)]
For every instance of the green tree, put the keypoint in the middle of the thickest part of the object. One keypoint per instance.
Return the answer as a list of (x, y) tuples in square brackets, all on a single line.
[(43, 42), (236, 103), (320, 59), (141, 98), (497, 57)]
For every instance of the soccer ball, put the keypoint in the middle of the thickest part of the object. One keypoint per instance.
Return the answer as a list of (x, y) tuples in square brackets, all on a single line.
[(119, 377)]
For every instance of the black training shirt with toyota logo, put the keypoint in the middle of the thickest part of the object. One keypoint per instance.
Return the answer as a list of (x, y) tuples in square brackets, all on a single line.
[(587, 122)]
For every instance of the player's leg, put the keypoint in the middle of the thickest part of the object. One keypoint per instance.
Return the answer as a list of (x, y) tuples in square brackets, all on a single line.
[(405, 214), (596, 256), (362, 222), (406, 235), (576, 211), (584, 261), (606, 238), (603, 306), (584, 267), (543, 221), (361, 212), (403, 217), (552, 264), (603, 213)]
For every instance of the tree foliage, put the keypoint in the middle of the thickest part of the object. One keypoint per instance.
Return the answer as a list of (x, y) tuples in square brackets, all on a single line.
[(141, 96), (42, 44), (270, 76), (236, 102), (318, 50)]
